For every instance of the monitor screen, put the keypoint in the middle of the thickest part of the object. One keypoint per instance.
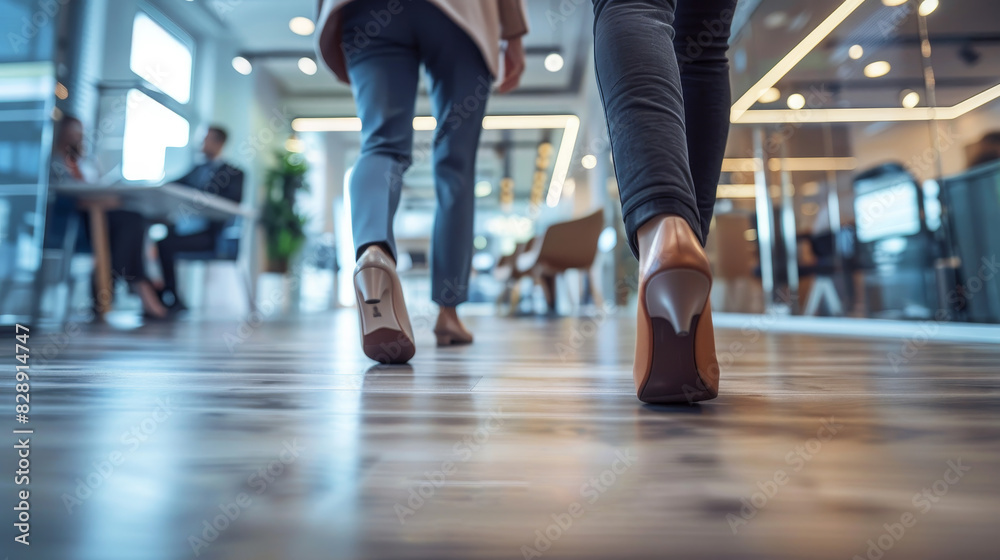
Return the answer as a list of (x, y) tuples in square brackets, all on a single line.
[(890, 211)]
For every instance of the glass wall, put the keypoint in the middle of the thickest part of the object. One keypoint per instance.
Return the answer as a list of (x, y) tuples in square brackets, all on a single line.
[(27, 95), (859, 179)]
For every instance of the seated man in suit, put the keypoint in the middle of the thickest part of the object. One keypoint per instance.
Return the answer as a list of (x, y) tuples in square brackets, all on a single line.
[(194, 233)]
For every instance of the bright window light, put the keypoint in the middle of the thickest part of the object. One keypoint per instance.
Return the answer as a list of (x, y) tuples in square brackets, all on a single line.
[(161, 58), (150, 128)]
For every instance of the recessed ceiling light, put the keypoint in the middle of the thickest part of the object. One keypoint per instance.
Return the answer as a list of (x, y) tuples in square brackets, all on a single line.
[(927, 6), (242, 65), (877, 69), (307, 65), (302, 26), (589, 161), (775, 20), (894, 2), (770, 96), (554, 62), (796, 101), (295, 145), (856, 52), (483, 189), (909, 98)]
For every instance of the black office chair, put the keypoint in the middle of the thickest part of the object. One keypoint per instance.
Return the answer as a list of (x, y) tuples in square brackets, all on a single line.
[(227, 249)]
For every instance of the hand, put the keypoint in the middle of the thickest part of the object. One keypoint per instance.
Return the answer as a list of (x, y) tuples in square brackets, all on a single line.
[(513, 63)]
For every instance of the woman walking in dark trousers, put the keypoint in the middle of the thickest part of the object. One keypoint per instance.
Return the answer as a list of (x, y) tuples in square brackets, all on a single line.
[(663, 75)]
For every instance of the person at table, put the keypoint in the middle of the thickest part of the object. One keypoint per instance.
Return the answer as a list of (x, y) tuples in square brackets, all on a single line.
[(193, 233), (126, 229)]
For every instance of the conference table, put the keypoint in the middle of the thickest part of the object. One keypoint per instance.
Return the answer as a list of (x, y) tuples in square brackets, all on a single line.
[(166, 202)]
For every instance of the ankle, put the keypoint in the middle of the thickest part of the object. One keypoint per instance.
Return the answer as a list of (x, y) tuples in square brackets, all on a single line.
[(378, 246)]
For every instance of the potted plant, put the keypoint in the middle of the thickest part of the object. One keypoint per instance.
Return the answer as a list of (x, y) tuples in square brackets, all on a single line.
[(284, 228)]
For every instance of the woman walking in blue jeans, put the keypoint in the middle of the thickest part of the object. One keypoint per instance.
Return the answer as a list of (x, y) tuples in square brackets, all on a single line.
[(664, 81), (378, 46)]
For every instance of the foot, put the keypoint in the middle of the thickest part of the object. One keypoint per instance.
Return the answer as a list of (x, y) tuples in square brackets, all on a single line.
[(152, 307), (675, 358), (449, 328), (386, 334), (169, 298)]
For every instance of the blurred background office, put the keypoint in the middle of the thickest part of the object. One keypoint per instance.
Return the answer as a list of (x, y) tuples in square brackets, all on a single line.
[(861, 177)]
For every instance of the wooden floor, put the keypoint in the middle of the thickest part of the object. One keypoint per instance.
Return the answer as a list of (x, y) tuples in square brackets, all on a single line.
[(529, 443)]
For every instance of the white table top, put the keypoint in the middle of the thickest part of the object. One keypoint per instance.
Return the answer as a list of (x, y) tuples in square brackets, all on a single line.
[(168, 200)]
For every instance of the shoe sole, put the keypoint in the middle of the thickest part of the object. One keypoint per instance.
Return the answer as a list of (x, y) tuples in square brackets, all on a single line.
[(675, 300), (382, 337)]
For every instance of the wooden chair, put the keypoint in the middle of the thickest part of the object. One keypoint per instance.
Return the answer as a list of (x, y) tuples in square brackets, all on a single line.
[(563, 246)]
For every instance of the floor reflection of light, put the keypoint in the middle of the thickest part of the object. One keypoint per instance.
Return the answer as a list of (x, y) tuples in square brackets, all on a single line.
[(131, 509), (335, 498)]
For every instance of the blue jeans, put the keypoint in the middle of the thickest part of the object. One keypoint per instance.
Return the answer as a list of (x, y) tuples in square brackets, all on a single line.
[(385, 48), (664, 79)]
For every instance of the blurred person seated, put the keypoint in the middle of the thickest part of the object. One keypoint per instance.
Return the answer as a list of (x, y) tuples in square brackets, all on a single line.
[(126, 229), (984, 151), (194, 233)]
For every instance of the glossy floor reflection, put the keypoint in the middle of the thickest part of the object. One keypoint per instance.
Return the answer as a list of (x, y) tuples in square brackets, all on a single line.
[(216, 439)]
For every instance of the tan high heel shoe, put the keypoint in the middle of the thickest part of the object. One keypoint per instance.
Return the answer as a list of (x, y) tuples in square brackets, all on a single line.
[(386, 334), (450, 330), (675, 358)]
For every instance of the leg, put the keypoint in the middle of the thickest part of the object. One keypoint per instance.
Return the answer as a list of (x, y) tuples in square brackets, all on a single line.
[(384, 75), (640, 86), (173, 244), (701, 43), (459, 89), (103, 288), (128, 238), (127, 234)]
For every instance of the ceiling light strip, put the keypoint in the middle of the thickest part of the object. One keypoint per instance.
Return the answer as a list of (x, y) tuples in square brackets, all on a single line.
[(974, 102), (793, 57), (563, 159), (842, 115)]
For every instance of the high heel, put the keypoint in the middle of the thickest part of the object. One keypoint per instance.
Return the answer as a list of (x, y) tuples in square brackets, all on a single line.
[(373, 283), (675, 358), (386, 333)]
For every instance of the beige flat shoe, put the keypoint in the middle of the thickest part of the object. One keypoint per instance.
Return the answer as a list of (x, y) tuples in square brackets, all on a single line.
[(386, 333), (450, 330), (675, 358)]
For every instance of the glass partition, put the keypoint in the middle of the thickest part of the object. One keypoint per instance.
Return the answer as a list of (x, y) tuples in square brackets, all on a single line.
[(858, 181), (27, 95)]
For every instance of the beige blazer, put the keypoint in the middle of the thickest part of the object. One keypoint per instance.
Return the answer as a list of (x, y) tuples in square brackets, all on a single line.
[(486, 22)]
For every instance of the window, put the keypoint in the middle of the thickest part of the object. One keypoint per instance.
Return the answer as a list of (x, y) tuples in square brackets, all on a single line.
[(150, 128), (160, 58)]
